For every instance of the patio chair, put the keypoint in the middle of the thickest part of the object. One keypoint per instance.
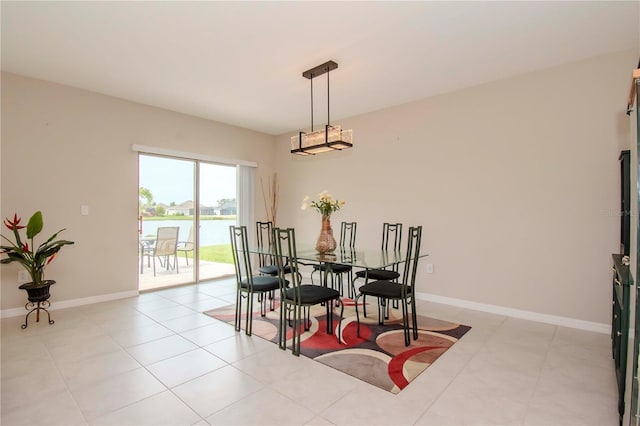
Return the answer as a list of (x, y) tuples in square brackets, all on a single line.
[(186, 246), (164, 248)]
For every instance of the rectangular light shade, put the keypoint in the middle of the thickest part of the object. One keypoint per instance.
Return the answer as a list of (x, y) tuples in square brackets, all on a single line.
[(331, 138)]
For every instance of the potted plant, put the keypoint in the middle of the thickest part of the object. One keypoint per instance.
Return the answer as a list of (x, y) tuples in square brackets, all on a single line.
[(33, 260)]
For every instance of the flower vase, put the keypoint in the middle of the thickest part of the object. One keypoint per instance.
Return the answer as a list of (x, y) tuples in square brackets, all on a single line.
[(326, 243)]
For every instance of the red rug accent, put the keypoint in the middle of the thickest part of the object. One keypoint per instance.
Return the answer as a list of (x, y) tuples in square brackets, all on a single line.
[(378, 356)]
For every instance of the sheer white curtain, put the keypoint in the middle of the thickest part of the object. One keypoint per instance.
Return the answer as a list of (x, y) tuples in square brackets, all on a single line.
[(246, 192)]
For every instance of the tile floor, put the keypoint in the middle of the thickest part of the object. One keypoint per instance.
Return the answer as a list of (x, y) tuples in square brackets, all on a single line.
[(156, 359)]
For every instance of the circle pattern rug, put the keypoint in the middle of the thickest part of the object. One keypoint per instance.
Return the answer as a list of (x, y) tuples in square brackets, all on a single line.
[(378, 357)]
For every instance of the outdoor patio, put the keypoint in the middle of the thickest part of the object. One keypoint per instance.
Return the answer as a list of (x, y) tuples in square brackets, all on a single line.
[(185, 274)]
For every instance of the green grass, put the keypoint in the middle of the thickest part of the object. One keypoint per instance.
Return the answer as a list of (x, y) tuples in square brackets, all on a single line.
[(220, 253)]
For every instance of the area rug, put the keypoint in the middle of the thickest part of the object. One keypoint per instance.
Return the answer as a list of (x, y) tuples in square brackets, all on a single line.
[(378, 357)]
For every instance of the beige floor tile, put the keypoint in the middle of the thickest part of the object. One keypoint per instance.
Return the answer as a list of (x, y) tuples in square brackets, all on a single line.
[(150, 305), (369, 405), (78, 351), (162, 409), (141, 334), (184, 367), (188, 322), (114, 325), (318, 421), (216, 390), (214, 332), (264, 410), (58, 408), (166, 314), (206, 304), (157, 350), (95, 369), (190, 298), (238, 345), (260, 365), (101, 398), (316, 387), (18, 391)]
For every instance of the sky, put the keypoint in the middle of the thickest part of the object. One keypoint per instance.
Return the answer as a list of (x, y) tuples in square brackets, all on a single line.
[(171, 180)]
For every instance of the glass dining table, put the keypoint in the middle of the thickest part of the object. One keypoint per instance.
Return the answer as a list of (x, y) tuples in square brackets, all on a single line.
[(364, 258)]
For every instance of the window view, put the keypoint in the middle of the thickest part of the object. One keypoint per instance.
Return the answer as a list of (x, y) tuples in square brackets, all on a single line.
[(177, 244)]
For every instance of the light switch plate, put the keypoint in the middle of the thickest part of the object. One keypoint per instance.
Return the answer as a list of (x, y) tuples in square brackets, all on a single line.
[(84, 210)]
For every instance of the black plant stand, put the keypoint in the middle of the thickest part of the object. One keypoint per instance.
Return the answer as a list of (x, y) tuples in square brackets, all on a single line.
[(38, 297)]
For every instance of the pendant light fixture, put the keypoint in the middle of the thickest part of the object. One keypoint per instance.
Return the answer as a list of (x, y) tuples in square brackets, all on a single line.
[(331, 138)]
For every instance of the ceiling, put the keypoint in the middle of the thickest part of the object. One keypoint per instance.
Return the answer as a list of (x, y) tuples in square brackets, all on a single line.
[(241, 62)]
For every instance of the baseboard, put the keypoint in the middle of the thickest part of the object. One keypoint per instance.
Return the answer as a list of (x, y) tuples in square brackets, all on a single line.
[(517, 313), (15, 312)]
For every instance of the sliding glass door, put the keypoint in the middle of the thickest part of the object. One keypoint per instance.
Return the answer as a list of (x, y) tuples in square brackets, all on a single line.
[(185, 209), (218, 210)]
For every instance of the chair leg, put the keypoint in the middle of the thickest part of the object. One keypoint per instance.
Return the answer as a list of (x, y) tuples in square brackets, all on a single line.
[(263, 305), (414, 316), (186, 258), (238, 309), (405, 322), (382, 304), (339, 332), (249, 311), (282, 342), (355, 302), (296, 329)]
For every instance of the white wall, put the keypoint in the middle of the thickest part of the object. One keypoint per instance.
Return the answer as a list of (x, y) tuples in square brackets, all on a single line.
[(516, 184), (63, 147)]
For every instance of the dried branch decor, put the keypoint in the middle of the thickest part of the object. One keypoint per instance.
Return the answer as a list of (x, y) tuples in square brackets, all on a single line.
[(270, 197)]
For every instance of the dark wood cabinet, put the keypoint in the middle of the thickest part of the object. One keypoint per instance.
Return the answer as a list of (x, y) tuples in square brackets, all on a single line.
[(625, 202), (622, 282)]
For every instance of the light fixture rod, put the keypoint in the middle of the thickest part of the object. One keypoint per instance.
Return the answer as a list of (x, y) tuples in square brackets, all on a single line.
[(328, 121), (312, 104)]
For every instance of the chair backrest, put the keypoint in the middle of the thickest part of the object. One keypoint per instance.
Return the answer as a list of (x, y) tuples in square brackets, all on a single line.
[(166, 240), (264, 233), (188, 245), (348, 234), (240, 252), (391, 236), (285, 252), (413, 253)]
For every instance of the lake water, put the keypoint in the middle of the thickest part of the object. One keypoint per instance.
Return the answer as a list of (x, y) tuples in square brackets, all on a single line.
[(212, 232)]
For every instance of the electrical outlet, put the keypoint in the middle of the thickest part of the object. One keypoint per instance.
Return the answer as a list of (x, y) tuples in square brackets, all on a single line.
[(23, 277), (430, 268)]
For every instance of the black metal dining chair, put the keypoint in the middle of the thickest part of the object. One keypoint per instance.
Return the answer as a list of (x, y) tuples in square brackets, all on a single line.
[(297, 300), (266, 262), (391, 240), (403, 291), (248, 284), (337, 271)]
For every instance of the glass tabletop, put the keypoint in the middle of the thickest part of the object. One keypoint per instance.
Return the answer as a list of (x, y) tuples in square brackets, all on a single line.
[(358, 257)]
